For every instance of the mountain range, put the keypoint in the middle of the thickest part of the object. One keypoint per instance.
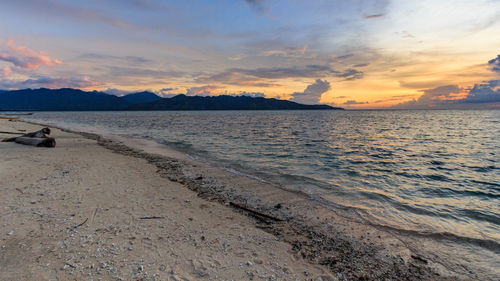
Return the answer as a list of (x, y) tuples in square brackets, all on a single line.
[(67, 99)]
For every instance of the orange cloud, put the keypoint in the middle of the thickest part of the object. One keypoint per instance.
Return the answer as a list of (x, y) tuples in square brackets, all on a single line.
[(24, 57)]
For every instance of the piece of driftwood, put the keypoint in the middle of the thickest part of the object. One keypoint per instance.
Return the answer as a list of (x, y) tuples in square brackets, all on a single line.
[(14, 114), (254, 212), (78, 225), (11, 133), (38, 134), (9, 139), (151, 218), (39, 142)]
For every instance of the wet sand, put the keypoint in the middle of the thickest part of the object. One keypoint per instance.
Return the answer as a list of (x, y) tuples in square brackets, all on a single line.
[(96, 208)]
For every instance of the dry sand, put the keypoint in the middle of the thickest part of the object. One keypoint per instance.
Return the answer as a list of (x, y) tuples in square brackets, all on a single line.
[(97, 210)]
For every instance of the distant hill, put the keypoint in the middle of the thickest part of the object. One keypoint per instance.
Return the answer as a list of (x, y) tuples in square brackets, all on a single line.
[(59, 100), (141, 97), (183, 102), (68, 99)]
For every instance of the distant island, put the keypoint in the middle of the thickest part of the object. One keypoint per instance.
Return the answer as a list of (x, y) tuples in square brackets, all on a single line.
[(67, 99)]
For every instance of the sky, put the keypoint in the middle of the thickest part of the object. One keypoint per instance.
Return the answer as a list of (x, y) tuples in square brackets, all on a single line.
[(356, 54)]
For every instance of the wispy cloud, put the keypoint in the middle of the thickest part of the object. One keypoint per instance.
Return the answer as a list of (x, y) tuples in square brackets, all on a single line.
[(24, 57), (127, 59), (426, 84), (239, 76), (118, 71), (286, 52), (168, 89), (72, 10), (395, 98), (258, 6), (49, 82), (354, 102), (374, 16)]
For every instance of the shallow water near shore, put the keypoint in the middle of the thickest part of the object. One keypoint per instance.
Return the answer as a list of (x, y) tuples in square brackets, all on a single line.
[(433, 174)]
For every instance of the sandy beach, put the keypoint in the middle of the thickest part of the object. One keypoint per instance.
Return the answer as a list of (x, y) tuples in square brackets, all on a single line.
[(97, 209)]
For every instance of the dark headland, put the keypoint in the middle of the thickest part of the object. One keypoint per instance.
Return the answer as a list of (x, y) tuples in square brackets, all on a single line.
[(67, 99)]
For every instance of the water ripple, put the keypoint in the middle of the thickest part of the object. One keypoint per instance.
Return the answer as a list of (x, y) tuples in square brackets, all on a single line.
[(433, 173)]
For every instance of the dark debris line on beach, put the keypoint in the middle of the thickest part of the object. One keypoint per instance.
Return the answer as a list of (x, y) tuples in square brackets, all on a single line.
[(348, 260)]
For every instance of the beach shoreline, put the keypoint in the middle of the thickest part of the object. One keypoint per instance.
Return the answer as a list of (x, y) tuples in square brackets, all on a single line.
[(320, 242)]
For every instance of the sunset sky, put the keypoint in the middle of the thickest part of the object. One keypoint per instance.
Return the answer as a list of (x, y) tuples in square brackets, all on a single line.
[(354, 54)]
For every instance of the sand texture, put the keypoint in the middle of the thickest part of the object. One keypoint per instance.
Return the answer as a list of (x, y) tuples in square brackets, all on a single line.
[(94, 209)]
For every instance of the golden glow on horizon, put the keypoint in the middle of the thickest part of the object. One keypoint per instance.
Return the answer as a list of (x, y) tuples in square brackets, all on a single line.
[(378, 88)]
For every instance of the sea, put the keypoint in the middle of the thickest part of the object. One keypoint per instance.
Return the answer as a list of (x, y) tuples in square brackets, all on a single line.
[(428, 172)]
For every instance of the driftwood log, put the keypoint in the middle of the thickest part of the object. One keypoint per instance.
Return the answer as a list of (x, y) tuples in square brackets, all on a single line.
[(10, 133), (40, 142), (14, 114), (38, 134), (38, 138), (254, 213)]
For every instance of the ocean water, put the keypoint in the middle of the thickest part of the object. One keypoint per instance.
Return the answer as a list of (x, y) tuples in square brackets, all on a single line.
[(424, 172)]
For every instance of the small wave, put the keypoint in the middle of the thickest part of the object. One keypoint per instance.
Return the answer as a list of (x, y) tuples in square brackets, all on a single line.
[(434, 177), (232, 171), (192, 157), (449, 192), (382, 170), (437, 177), (408, 175), (480, 215), (352, 173), (382, 155), (441, 168), (489, 244), (327, 203), (487, 183), (484, 169), (425, 210), (176, 144)]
